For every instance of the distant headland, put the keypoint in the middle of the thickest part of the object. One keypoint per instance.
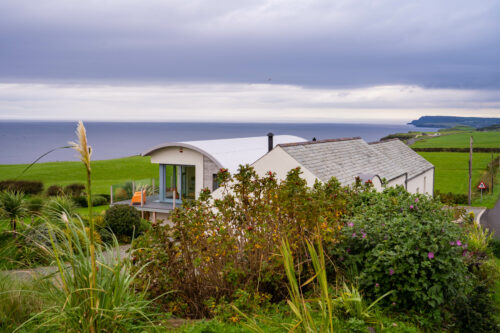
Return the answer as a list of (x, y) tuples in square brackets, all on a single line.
[(448, 121)]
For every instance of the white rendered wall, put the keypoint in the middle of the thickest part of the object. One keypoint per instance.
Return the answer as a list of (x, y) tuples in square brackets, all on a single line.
[(423, 183), (173, 155), (401, 180), (277, 160)]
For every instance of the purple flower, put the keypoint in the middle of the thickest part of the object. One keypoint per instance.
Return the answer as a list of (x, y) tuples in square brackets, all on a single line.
[(348, 250), (391, 271), (411, 206), (416, 199), (393, 303), (430, 255), (383, 224), (350, 224), (401, 209), (452, 243), (377, 285), (459, 243), (464, 253), (364, 235)]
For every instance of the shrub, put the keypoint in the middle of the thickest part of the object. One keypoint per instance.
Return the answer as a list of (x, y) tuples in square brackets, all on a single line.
[(55, 190), (476, 311), (123, 220), (212, 250), (80, 201), (452, 198), (99, 200), (74, 190), (35, 204), (406, 243), (494, 245), (56, 206), (25, 186)]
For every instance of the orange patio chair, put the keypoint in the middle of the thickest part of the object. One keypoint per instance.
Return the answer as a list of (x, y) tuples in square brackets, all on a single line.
[(136, 198)]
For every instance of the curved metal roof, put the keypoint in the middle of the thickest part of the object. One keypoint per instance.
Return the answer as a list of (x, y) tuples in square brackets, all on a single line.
[(230, 153)]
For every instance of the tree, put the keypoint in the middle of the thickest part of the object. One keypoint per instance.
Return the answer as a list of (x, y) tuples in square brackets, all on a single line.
[(13, 206)]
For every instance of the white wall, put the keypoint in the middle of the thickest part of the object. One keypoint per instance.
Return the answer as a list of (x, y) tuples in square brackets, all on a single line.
[(173, 155), (277, 160), (400, 180), (423, 183)]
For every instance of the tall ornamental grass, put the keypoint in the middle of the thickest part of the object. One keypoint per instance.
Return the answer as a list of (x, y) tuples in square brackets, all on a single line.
[(115, 306)]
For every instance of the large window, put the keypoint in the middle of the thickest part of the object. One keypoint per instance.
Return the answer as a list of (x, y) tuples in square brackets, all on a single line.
[(179, 182)]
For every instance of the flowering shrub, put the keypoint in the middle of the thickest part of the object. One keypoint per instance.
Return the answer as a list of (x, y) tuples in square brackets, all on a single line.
[(215, 247), (406, 243)]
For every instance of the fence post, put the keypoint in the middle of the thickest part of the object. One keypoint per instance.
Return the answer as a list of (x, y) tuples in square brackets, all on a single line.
[(111, 195), (154, 187)]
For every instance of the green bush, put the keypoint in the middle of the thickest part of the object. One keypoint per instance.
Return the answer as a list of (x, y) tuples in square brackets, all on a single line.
[(24, 186), (123, 220), (452, 198), (80, 201), (74, 190), (99, 200), (406, 243), (55, 190), (494, 245), (35, 204), (57, 206)]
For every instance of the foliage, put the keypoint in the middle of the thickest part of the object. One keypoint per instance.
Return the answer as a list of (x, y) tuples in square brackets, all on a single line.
[(35, 204), (452, 198), (97, 200), (55, 190), (20, 299), (116, 306), (27, 187), (215, 247), (74, 190), (57, 206), (123, 220), (478, 238), (494, 245), (13, 206), (406, 243)]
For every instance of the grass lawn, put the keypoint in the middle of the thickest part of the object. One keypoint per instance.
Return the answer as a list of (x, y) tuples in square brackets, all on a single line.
[(104, 173), (452, 174), (461, 140)]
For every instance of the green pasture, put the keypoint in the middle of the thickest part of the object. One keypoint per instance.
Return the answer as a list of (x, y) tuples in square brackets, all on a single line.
[(104, 173), (452, 174), (460, 140)]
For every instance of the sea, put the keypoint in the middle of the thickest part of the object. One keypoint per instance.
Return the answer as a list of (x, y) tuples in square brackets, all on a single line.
[(25, 141)]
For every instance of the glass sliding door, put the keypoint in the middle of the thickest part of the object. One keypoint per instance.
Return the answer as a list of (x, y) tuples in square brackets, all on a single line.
[(188, 182), (179, 182)]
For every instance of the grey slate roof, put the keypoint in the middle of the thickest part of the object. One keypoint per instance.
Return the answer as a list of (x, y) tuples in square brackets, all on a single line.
[(346, 159), (407, 159)]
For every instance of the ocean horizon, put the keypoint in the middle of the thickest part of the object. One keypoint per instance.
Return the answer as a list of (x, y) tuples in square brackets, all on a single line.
[(24, 141)]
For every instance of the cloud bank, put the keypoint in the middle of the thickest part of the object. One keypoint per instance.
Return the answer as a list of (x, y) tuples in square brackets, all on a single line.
[(239, 102)]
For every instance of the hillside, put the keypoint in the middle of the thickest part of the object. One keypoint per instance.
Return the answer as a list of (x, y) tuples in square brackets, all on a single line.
[(448, 121)]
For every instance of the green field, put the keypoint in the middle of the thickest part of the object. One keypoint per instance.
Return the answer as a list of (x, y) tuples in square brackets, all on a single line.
[(104, 173), (461, 140), (452, 173)]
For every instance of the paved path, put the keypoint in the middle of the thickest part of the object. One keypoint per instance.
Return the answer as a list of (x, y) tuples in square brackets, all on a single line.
[(491, 219), (46, 270)]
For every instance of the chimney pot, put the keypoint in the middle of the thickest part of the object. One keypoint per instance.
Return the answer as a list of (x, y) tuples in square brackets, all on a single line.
[(270, 144)]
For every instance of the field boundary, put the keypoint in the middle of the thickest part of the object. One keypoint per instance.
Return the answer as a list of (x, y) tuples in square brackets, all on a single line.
[(457, 150)]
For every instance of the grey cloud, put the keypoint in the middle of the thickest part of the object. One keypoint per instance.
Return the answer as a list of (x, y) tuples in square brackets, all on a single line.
[(452, 44)]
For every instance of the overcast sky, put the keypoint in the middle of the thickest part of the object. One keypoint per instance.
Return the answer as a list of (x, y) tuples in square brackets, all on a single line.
[(245, 60)]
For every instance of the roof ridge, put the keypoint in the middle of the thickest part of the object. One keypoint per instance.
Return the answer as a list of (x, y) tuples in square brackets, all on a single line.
[(292, 144)]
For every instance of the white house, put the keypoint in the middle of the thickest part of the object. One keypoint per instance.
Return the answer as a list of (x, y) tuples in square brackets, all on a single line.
[(188, 167)]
